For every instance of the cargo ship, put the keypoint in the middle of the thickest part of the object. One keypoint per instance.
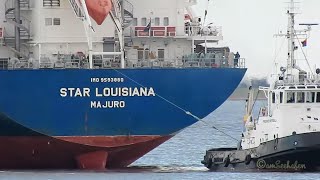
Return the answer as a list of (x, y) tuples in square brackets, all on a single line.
[(97, 84)]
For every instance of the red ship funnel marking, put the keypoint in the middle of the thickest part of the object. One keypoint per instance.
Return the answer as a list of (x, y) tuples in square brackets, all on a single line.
[(99, 9)]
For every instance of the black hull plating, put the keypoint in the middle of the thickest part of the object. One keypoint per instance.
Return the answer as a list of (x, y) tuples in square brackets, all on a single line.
[(9, 128), (296, 153)]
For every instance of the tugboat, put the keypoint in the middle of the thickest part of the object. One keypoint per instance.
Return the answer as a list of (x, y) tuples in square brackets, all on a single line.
[(286, 134)]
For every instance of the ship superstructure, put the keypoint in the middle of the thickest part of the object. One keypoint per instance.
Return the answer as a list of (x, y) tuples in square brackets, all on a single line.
[(95, 84), (293, 97), (51, 31)]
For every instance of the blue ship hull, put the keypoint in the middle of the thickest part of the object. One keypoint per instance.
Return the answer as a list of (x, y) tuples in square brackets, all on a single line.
[(124, 113), (33, 99)]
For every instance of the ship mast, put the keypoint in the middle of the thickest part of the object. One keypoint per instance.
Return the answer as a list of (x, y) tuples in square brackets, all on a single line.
[(291, 62), (292, 34)]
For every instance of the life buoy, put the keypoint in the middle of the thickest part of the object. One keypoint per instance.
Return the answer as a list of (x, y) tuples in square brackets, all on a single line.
[(226, 161), (247, 159)]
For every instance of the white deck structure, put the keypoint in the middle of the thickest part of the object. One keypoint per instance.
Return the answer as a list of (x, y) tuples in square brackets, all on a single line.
[(155, 34), (293, 106)]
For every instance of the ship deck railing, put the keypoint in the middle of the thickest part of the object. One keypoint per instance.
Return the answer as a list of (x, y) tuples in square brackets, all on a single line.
[(100, 63), (301, 84), (174, 31), (203, 31)]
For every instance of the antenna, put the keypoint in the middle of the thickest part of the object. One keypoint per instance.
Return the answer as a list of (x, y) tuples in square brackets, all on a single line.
[(206, 13), (309, 25)]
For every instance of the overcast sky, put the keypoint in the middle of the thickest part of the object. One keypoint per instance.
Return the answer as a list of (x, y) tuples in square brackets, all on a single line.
[(249, 27)]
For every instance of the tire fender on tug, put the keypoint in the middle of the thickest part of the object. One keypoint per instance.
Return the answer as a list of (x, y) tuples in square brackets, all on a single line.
[(226, 161), (247, 159), (209, 163)]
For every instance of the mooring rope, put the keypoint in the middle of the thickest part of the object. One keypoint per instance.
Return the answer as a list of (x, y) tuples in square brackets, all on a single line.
[(179, 107)]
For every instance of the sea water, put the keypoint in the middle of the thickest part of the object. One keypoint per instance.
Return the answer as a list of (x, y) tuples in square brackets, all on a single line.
[(180, 157)]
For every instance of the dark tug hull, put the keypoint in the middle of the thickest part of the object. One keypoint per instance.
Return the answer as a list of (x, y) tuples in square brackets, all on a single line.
[(296, 153), (22, 148)]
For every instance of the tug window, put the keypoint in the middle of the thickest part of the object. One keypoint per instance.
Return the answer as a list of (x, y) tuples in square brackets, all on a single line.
[(56, 21), (281, 97), (291, 97), (310, 97), (273, 98), (48, 21), (318, 97), (300, 97)]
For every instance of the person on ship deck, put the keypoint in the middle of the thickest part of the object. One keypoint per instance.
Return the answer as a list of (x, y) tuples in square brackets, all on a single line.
[(236, 59)]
